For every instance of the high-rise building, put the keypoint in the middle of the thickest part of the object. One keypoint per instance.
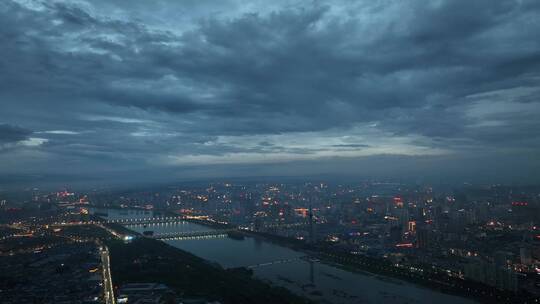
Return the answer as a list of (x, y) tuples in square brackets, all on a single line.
[(525, 255), (411, 226), (492, 274), (311, 226), (500, 259), (422, 238)]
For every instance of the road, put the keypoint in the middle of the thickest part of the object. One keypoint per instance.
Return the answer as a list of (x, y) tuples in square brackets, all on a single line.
[(107, 278)]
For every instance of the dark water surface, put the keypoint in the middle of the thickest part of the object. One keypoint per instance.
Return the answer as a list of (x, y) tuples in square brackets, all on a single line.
[(282, 266)]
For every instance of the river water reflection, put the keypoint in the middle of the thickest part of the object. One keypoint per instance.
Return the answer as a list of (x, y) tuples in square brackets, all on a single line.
[(316, 280)]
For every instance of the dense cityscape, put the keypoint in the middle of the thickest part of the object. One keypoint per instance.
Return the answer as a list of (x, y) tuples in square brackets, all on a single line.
[(269, 152), (473, 241)]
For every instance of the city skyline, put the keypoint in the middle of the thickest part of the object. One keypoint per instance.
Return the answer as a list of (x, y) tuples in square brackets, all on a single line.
[(116, 91)]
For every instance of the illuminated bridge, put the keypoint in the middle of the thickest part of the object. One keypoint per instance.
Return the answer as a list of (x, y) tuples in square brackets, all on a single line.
[(148, 220), (178, 219), (285, 225), (186, 235), (276, 262)]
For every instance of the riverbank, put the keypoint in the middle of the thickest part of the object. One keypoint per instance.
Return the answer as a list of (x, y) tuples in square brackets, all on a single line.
[(384, 269), (377, 268), (430, 278), (148, 260)]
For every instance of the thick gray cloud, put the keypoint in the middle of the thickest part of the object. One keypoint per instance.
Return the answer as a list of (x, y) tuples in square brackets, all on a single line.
[(114, 86), (10, 134)]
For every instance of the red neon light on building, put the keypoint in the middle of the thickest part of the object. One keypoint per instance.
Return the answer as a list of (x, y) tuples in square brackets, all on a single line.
[(520, 203), (406, 245)]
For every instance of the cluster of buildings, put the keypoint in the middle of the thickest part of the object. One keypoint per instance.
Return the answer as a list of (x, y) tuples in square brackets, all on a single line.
[(63, 273), (154, 293), (488, 234), (145, 293)]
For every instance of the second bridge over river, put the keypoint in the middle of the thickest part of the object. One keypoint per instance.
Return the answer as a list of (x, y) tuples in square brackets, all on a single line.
[(282, 261), (184, 235)]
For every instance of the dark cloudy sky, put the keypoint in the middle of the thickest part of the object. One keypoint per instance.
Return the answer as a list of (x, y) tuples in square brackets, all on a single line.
[(166, 89)]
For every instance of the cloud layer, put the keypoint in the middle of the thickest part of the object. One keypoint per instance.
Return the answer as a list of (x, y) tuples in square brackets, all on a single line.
[(103, 87)]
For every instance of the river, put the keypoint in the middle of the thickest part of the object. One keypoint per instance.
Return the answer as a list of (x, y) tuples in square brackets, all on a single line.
[(316, 280)]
